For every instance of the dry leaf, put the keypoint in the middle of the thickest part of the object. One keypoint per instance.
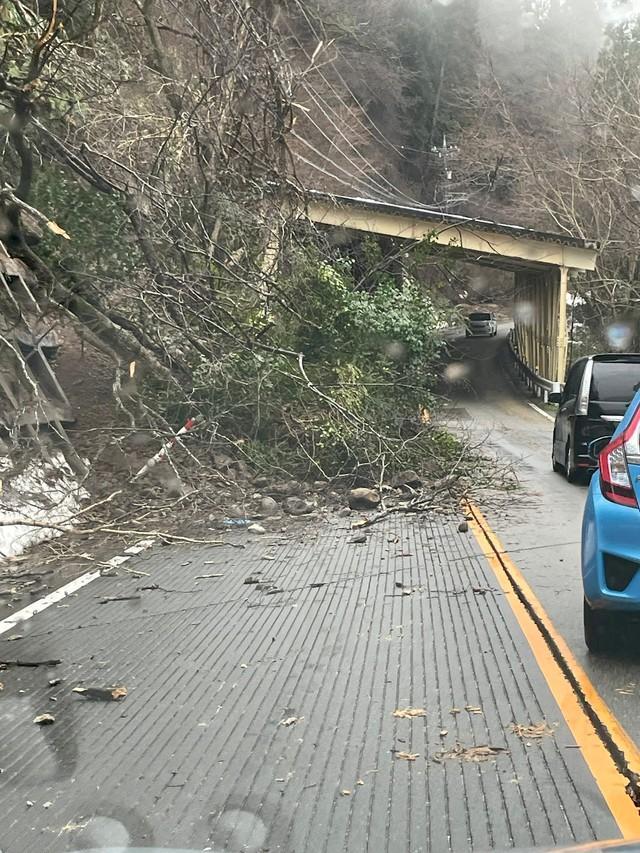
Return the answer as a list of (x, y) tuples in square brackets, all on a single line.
[(473, 709), (359, 782), (290, 721), (57, 230), (1, 686), (407, 756), (471, 753), (44, 719), (410, 712), (346, 792), (15, 637), (454, 711), (534, 730), (118, 693)]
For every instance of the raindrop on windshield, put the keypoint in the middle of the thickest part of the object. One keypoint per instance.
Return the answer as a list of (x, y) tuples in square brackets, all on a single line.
[(524, 312), (396, 351), (619, 336)]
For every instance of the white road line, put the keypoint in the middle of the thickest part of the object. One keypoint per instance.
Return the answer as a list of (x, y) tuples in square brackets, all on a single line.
[(69, 588), (541, 412)]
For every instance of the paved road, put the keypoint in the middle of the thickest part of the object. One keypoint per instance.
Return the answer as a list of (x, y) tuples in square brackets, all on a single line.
[(541, 526), (359, 697)]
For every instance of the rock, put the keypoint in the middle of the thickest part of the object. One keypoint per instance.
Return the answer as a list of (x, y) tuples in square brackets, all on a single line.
[(358, 539), (256, 528), (407, 478), (297, 506), (320, 484), (343, 512), (236, 511), (363, 498), (260, 482), (463, 527), (221, 460), (292, 487), (269, 507)]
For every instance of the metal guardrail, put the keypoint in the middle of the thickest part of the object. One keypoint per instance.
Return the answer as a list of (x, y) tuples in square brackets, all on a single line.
[(540, 386)]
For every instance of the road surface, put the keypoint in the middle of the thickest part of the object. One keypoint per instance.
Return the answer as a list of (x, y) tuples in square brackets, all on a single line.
[(540, 526)]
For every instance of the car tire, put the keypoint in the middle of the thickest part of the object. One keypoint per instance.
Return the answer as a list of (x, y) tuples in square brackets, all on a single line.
[(557, 467), (597, 627), (572, 473)]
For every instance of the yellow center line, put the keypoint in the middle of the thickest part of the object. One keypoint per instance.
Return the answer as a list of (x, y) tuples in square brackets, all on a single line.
[(611, 782)]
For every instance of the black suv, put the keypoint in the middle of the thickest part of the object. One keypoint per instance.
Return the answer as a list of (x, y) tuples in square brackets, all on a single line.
[(596, 395)]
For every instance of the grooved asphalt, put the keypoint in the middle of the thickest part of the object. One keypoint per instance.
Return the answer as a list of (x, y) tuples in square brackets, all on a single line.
[(198, 756)]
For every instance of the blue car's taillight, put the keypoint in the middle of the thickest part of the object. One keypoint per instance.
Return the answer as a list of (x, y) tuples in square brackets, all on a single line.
[(615, 479)]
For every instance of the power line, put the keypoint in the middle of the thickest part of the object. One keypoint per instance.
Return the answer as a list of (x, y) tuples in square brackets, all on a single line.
[(323, 171), (397, 193), (317, 98), (355, 180), (355, 115), (383, 138)]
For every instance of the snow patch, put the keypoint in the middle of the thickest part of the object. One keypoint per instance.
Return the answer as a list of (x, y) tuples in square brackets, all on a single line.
[(47, 492)]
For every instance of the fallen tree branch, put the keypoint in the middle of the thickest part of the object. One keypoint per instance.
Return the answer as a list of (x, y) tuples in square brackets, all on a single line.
[(420, 503)]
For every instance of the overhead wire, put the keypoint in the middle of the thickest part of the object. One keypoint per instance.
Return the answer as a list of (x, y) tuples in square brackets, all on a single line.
[(397, 194), (323, 171), (344, 171), (319, 99), (381, 135)]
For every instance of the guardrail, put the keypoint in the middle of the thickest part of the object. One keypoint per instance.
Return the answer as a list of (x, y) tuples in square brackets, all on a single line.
[(540, 386)]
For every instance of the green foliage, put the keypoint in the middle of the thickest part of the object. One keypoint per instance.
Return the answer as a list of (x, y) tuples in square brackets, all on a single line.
[(99, 244), (369, 359)]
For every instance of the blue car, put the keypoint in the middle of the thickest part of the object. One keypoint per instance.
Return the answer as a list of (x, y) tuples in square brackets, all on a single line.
[(611, 534)]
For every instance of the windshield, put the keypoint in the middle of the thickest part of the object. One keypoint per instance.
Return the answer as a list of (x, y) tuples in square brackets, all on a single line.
[(297, 552)]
